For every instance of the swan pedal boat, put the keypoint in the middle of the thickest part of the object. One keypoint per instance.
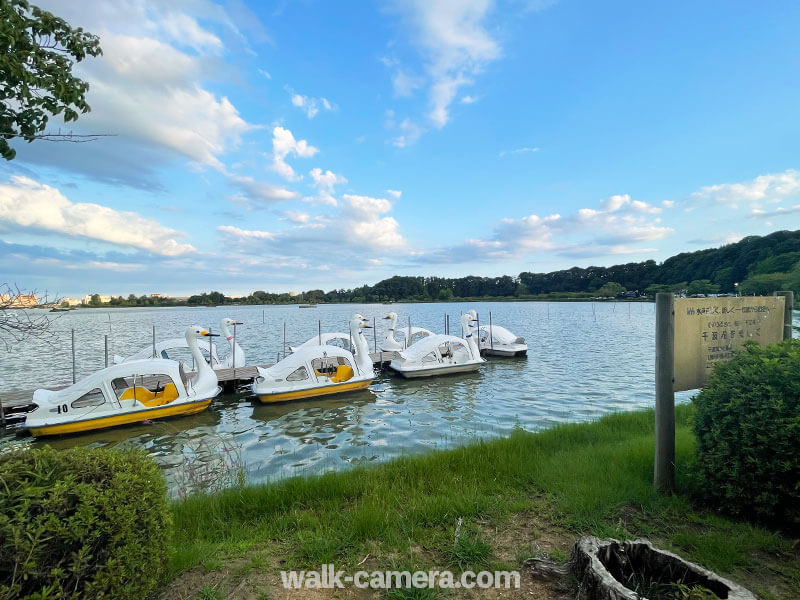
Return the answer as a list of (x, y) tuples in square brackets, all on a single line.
[(411, 335), (164, 348), (316, 370), (440, 355), (126, 393), (499, 341)]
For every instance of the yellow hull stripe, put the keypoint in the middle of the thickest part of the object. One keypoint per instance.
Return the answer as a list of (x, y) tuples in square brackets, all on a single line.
[(313, 392), (122, 419)]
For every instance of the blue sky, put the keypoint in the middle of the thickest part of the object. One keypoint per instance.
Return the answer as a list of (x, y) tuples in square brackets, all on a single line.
[(309, 144)]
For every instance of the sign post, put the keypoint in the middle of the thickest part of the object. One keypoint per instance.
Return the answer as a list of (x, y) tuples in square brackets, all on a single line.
[(664, 466), (692, 335)]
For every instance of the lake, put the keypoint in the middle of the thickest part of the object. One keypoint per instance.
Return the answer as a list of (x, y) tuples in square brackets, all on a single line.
[(585, 360)]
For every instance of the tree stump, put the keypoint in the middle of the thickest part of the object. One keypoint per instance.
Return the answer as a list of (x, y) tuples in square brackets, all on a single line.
[(607, 569)]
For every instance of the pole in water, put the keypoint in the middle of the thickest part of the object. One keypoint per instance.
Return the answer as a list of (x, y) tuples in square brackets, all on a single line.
[(478, 329), (548, 312), (263, 317), (319, 331), (73, 356), (233, 354), (106, 351), (491, 340), (374, 335), (109, 322)]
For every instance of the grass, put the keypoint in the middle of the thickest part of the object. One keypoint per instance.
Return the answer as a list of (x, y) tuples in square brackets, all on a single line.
[(582, 479)]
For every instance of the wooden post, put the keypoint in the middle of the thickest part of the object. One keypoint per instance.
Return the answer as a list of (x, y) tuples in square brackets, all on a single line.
[(73, 356), (664, 466), (787, 313), (106, 351)]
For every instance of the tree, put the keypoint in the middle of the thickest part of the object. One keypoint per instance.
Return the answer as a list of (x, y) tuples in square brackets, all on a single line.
[(16, 321), (702, 287), (610, 290), (37, 53)]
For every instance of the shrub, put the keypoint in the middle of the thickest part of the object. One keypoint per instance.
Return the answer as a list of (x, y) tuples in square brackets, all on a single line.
[(81, 523), (748, 434)]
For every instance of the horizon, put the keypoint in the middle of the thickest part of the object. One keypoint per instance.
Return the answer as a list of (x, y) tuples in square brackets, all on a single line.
[(253, 150)]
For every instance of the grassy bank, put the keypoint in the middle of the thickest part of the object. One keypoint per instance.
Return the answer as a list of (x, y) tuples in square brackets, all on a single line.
[(521, 496)]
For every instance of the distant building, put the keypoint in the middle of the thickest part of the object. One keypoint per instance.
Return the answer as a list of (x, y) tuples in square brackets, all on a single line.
[(159, 296), (19, 301), (71, 301), (87, 299), (293, 294)]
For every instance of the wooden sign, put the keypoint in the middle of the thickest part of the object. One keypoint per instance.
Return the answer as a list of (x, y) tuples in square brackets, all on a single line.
[(708, 330)]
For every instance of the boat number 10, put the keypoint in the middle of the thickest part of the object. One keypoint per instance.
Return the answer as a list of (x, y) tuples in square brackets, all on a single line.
[(62, 409)]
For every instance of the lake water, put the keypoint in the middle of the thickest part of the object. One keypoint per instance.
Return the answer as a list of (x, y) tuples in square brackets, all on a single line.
[(584, 360)]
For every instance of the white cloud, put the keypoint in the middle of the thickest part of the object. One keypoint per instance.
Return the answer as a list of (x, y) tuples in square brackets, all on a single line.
[(468, 99), (245, 233), (259, 191), (410, 132), (770, 188), (405, 84), (611, 228), (453, 38), (265, 73), (311, 106), (395, 193), (27, 203), (359, 230), (518, 151), (283, 145), (144, 89), (325, 182), (296, 217)]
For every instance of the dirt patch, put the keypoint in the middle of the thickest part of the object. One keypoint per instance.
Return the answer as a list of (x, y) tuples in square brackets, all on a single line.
[(522, 536)]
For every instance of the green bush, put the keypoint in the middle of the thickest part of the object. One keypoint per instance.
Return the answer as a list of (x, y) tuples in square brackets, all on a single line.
[(81, 523), (748, 435)]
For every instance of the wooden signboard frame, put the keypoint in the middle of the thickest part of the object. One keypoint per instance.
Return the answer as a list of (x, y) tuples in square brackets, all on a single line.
[(692, 335)]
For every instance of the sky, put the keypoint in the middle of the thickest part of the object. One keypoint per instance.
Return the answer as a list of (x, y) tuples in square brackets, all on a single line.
[(294, 145)]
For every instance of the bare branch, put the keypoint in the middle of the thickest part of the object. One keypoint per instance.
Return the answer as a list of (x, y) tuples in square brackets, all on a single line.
[(17, 319)]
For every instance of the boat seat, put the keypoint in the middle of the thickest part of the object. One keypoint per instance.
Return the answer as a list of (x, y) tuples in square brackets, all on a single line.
[(150, 398), (343, 373)]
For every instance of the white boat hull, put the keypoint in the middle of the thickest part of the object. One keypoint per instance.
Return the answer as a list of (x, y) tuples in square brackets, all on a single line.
[(505, 352), (436, 370)]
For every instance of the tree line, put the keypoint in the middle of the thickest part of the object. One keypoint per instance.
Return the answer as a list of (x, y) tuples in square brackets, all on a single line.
[(753, 265)]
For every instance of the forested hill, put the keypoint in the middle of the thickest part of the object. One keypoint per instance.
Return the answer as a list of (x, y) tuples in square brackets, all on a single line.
[(757, 264)]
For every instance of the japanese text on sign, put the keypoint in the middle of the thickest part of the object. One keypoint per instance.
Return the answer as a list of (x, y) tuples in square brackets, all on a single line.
[(708, 330)]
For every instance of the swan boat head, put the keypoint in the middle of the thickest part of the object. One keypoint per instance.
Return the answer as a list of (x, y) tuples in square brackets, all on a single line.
[(237, 354)]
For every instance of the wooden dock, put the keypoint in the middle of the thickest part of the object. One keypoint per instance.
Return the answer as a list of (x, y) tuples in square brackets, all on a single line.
[(15, 404)]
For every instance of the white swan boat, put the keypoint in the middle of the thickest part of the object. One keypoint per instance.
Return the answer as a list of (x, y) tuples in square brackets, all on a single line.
[(316, 370), (333, 338), (410, 335), (440, 354), (236, 357), (499, 341), (177, 349), (126, 393)]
